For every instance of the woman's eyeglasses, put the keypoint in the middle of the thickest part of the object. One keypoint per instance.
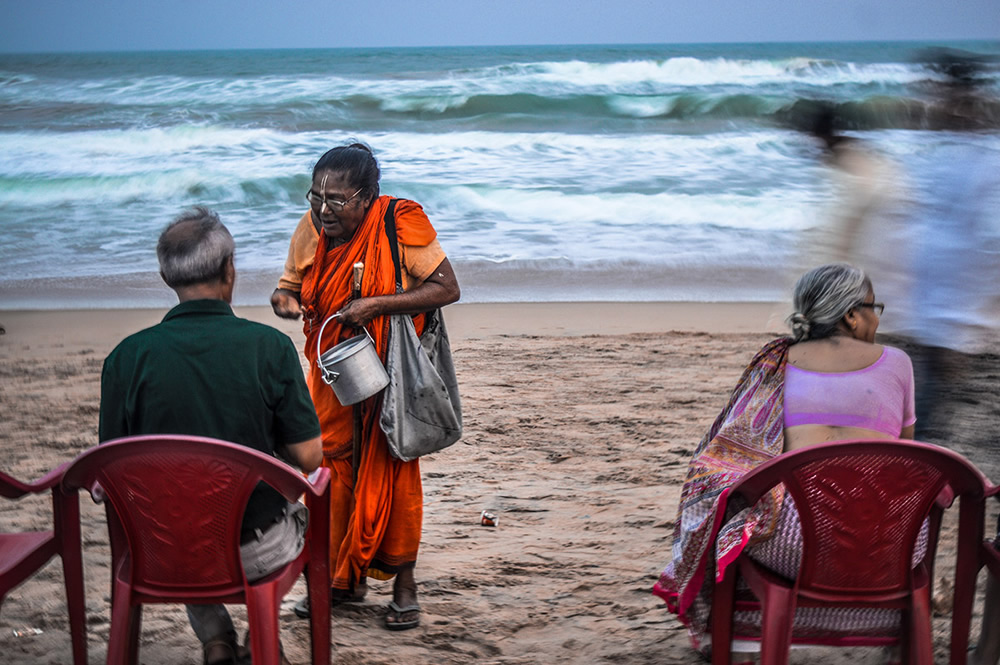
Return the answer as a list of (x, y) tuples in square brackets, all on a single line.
[(877, 307), (317, 201)]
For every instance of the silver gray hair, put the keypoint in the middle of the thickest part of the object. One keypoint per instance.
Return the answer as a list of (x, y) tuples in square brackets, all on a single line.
[(823, 296), (194, 249)]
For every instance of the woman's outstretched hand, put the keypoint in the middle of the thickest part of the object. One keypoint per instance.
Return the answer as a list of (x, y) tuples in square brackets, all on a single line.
[(285, 304)]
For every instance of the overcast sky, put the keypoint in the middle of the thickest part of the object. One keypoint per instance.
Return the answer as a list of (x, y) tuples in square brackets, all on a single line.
[(112, 25)]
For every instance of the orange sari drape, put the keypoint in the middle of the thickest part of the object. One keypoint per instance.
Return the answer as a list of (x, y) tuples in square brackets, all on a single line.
[(374, 527)]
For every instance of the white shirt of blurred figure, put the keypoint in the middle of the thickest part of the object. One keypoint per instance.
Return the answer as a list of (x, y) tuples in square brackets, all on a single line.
[(866, 225), (955, 301)]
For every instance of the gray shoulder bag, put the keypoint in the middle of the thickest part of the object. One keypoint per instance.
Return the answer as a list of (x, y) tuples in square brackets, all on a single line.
[(421, 410)]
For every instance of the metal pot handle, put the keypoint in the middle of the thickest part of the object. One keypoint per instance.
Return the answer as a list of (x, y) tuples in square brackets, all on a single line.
[(330, 377)]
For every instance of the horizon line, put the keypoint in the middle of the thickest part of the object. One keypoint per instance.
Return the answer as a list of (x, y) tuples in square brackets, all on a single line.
[(952, 40)]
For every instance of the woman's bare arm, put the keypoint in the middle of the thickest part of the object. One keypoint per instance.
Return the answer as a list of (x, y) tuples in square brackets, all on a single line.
[(439, 289)]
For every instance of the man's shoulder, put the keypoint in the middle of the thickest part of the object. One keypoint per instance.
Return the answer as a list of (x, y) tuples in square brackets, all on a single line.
[(137, 341), (258, 331), (267, 344), (233, 331)]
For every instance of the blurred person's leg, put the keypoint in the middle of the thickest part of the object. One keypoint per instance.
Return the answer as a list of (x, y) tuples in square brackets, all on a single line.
[(938, 382), (987, 651)]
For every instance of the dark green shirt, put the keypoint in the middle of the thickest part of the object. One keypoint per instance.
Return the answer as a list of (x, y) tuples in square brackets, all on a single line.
[(203, 371)]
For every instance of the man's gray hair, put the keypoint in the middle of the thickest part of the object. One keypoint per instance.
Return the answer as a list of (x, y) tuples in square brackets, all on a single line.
[(823, 296), (194, 249)]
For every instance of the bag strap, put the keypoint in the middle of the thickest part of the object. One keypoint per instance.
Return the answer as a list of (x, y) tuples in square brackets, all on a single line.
[(390, 232)]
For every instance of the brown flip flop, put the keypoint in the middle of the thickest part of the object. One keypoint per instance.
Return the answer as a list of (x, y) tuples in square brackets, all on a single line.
[(397, 611)]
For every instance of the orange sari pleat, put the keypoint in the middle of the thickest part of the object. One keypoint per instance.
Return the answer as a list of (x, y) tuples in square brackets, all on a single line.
[(374, 527)]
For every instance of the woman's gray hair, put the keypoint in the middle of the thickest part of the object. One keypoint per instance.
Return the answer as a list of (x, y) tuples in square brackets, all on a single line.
[(823, 296), (194, 249)]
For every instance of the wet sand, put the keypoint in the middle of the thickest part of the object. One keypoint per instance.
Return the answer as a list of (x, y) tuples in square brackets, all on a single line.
[(579, 421)]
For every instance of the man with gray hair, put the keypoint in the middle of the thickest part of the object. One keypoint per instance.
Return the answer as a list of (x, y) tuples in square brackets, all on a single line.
[(203, 371)]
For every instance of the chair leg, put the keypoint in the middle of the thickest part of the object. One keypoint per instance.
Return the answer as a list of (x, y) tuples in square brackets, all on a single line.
[(262, 617), (120, 638), (906, 637), (967, 564), (318, 581), (77, 608), (135, 632), (722, 618), (921, 648), (66, 511), (318, 576), (777, 617)]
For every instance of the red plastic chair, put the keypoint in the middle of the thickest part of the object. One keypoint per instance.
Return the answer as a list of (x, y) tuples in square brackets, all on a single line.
[(861, 505), (176, 504), (973, 553), (21, 554)]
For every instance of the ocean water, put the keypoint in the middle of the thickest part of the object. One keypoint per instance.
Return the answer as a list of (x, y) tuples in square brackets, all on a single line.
[(654, 172)]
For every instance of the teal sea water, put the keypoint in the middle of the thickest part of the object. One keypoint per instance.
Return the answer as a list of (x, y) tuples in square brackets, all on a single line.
[(653, 172)]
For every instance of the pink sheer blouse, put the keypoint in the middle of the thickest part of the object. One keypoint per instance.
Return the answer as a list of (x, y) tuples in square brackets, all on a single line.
[(878, 397)]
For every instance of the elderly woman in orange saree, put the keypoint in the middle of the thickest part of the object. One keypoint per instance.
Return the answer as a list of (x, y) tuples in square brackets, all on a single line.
[(375, 524)]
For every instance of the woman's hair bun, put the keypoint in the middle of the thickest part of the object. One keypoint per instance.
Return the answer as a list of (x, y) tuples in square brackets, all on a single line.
[(361, 146), (800, 326)]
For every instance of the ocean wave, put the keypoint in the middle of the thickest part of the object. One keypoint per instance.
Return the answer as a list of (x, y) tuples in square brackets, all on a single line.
[(884, 112), (544, 79), (699, 105), (506, 225), (171, 90), (11, 79), (873, 112), (130, 153), (549, 172), (539, 93), (444, 158), (699, 111), (696, 72)]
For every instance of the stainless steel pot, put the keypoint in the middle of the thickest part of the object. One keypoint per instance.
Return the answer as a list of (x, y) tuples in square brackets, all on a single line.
[(352, 368)]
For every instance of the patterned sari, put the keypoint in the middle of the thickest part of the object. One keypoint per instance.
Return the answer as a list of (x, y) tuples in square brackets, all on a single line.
[(748, 432)]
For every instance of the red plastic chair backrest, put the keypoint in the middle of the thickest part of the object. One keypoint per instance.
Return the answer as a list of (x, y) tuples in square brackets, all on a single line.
[(180, 501), (861, 505)]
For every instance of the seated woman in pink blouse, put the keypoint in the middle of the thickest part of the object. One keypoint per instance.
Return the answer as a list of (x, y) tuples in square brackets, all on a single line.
[(839, 384), (828, 382)]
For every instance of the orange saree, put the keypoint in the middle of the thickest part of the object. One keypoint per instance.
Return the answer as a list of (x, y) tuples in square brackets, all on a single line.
[(374, 527)]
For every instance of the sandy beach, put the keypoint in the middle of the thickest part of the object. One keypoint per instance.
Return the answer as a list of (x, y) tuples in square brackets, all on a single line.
[(579, 421)]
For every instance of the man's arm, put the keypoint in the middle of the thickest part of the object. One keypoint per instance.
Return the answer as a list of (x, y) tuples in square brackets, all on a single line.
[(307, 455), (294, 412), (112, 421)]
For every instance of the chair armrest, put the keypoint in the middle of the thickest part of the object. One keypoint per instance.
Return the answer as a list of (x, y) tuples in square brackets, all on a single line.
[(319, 480), (12, 488)]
